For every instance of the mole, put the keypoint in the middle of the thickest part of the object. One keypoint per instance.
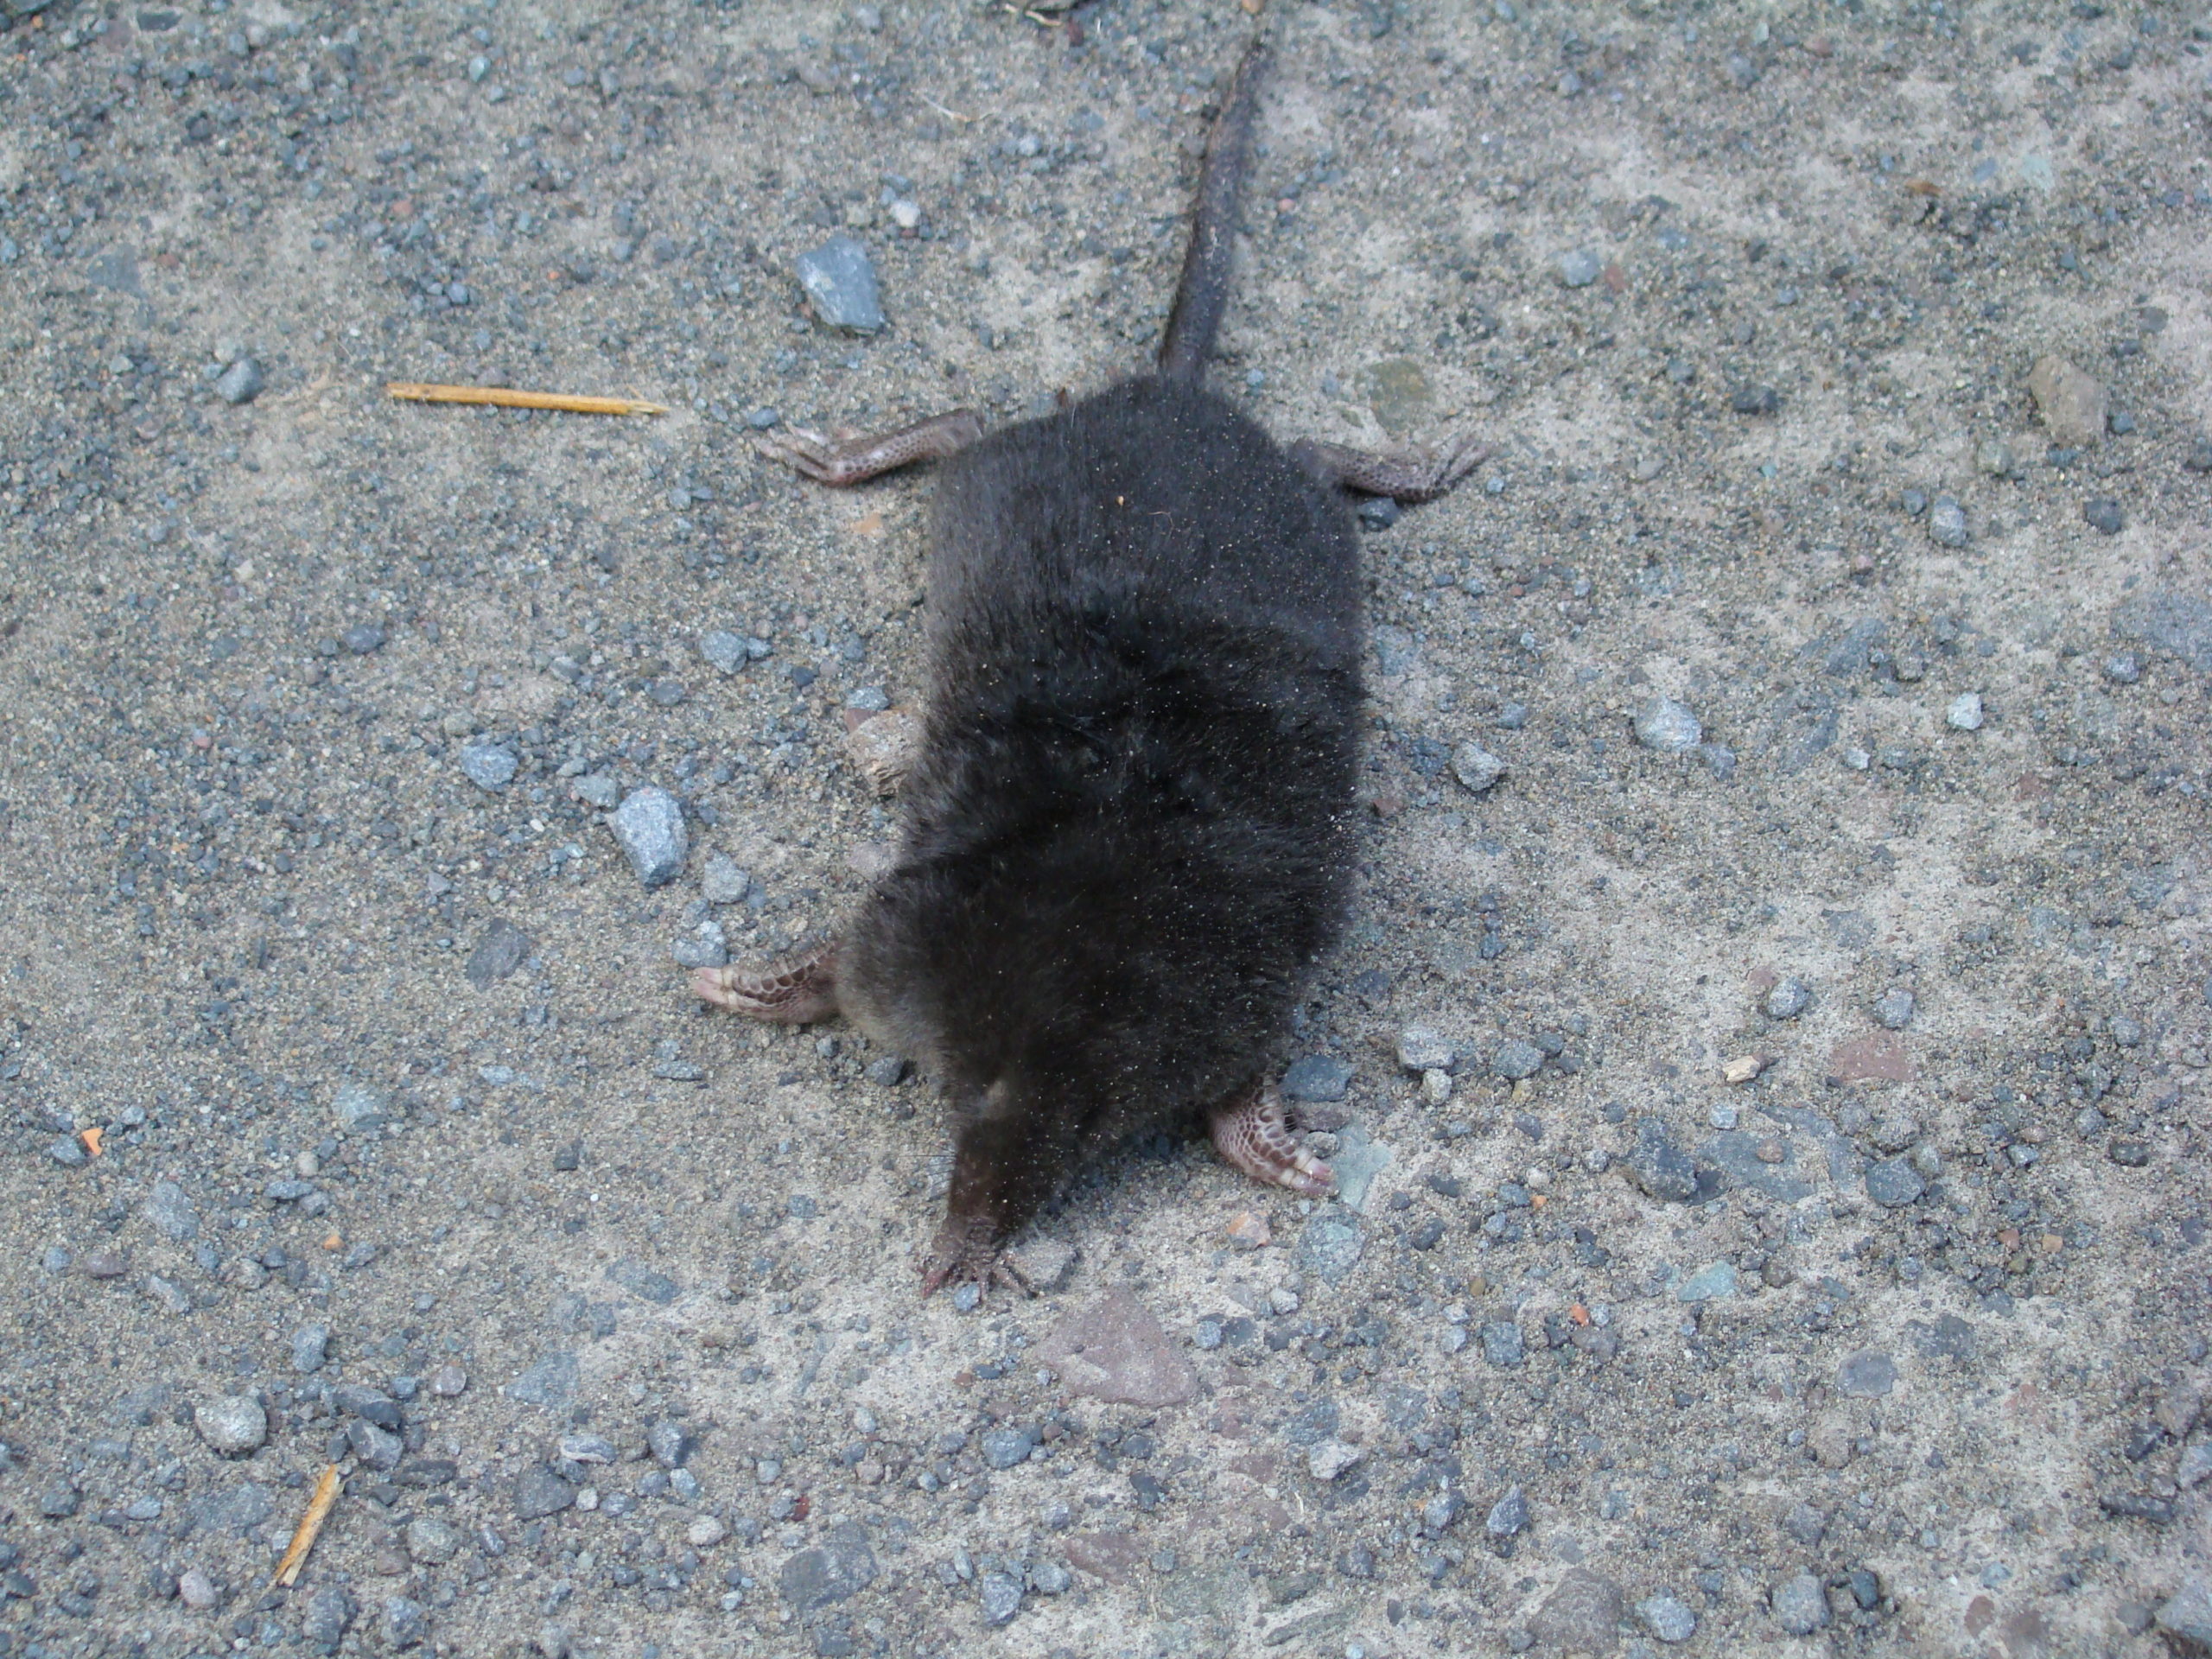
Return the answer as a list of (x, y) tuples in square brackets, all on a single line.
[(1128, 813)]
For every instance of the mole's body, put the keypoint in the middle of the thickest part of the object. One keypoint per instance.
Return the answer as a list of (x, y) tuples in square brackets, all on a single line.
[(1129, 817)]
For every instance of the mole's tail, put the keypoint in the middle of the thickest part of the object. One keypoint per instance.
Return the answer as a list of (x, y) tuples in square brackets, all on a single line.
[(1203, 293)]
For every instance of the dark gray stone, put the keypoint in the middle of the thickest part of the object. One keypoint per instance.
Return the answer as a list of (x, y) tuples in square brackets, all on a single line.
[(310, 1347), (364, 639), (1894, 1183), (2102, 513), (551, 1383), (2171, 621), (405, 1623), (1517, 1058), (1867, 1375), (501, 950), (329, 1615), (1508, 1516), (1947, 523), (1661, 1169), (540, 1492), (1317, 1078), (841, 1567), (840, 282), (1894, 1008), (2186, 1616), (1788, 999), (670, 1443), (490, 766), (1503, 1343), (1005, 1447), (1001, 1596)]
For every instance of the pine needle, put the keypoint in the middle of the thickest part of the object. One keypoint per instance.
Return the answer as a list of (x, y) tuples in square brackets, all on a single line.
[(508, 397)]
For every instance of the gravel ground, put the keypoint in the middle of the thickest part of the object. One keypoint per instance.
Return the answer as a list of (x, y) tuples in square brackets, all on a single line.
[(1768, 1069)]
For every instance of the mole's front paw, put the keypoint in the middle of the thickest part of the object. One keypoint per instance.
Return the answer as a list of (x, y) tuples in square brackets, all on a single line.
[(966, 1253)]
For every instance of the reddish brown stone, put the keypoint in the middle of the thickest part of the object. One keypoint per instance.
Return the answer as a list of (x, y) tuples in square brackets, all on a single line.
[(1879, 1057), (1113, 1556), (1115, 1350)]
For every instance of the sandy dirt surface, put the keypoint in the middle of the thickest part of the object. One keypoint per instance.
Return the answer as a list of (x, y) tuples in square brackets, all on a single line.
[(1851, 704)]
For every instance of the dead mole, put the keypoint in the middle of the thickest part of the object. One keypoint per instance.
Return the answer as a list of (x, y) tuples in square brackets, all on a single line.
[(1128, 815)]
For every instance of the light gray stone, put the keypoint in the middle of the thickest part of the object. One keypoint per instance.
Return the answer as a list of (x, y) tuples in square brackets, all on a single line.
[(649, 825), (1667, 726), (840, 281), (232, 1425), (1476, 767), (1800, 1604)]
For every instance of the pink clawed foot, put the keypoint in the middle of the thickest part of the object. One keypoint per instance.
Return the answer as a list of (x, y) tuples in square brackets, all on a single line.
[(853, 459), (967, 1252), (797, 991), (1252, 1133)]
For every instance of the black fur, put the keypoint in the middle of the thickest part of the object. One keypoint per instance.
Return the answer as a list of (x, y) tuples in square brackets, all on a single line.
[(1128, 829)]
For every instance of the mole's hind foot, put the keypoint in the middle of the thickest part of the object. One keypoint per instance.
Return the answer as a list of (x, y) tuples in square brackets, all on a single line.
[(884, 748), (850, 460), (1408, 478), (796, 991), (966, 1253), (1252, 1132)]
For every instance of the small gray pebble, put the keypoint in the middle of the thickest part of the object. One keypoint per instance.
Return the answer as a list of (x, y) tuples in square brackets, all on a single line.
[(1947, 523), (231, 1425), (721, 882), (68, 1152), (1503, 1343), (1421, 1049), (1800, 1604), (241, 383), (888, 1070), (670, 1444), (1894, 1183), (762, 418), (839, 280), (1964, 713), (2123, 668), (1667, 726), (597, 788), (1476, 767), (1894, 1008), (1508, 1516), (490, 766), (431, 1541), (724, 652), (405, 1623), (2102, 513), (1869, 1374), (1001, 1597), (1788, 999), (1580, 268), (1668, 1619), (2124, 1030), (310, 1347), (649, 825), (1515, 1059), (1754, 400), (1003, 1448), (364, 638)]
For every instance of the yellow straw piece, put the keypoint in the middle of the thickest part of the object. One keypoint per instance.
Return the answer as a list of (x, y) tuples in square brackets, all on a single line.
[(508, 397)]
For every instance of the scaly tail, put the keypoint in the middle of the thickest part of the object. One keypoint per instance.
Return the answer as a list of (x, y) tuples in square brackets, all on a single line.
[(1203, 293)]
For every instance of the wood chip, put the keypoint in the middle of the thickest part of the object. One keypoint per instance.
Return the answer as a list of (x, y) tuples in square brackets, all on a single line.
[(508, 397), (92, 1138), (325, 1498)]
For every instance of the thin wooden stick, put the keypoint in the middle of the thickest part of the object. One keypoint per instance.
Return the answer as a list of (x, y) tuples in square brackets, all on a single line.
[(310, 1529), (508, 397)]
